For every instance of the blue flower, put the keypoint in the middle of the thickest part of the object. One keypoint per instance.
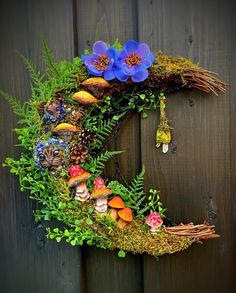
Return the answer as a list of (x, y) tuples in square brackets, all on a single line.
[(101, 61), (134, 60)]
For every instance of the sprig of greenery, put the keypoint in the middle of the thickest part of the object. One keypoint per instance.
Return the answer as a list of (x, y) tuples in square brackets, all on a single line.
[(97, 165), (15, 104), (35, 75), (134, 196), (103, 130), (49, 60)]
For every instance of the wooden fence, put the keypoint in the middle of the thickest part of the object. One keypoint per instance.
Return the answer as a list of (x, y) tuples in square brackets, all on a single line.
[(196, 177)]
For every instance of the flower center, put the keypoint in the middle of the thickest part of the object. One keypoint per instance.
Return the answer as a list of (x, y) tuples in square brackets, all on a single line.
[(102, 62), (133, 59)]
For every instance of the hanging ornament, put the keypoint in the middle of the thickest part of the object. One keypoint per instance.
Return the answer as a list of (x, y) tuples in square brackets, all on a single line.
[(163, 134)]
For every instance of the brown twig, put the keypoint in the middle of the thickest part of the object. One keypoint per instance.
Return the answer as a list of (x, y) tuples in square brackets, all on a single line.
[(203, 231)]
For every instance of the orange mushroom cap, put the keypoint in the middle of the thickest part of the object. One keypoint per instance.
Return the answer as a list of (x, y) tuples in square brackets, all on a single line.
[(96, 81), (126, 214), (84, 98), (65, 127), (116, 202)]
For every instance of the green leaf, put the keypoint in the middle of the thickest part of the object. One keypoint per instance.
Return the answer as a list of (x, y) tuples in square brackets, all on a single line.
[(62, 205), (77, 222), (56, 230), (90, 210), (121, 253), (66, 233), (47, 216), (145, 115), (117, 45), (58, 239), (89, 221), (73, 242)]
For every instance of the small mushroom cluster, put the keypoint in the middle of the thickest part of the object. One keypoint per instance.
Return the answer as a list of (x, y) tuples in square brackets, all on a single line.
[(118, 210), (78, 180), (94, 83)]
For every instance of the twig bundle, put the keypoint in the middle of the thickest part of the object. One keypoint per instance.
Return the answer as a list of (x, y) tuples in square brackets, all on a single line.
[(203, 231)]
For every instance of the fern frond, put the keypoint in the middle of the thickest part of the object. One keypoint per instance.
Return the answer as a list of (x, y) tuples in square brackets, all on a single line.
[(98, 164), (49, 60), (103, 130), (15, 104), (137, 185), (119, 189), (35, 75)]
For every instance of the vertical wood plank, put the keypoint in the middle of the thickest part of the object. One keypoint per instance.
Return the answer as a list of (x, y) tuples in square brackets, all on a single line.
[(108, 20), (29, 262), (194, 177)]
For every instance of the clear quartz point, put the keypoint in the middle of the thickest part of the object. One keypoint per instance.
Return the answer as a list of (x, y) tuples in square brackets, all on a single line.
[(165, 148)]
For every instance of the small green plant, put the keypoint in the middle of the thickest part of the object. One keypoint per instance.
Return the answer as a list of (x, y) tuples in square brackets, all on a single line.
[(135, 198)]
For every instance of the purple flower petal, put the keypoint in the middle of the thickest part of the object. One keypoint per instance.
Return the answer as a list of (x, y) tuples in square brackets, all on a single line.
[(94, 71), (147, 62), (84, 57), (119, 74), (140, 76), (141, 67), (112, 53), (109, 74), (90, 60), (143, 50), (131, 46), (99, 47), (129, 70)]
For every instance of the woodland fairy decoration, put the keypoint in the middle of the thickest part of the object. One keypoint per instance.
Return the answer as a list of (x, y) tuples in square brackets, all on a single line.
[(75, 109)]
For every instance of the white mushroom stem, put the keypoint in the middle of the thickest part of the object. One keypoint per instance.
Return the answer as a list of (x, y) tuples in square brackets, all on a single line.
[(81, 192), (153, 230), (101, 205)]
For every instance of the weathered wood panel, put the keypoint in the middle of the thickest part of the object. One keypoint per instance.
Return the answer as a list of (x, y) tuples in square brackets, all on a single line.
[(194, 177), (29, 262), (108, 20)]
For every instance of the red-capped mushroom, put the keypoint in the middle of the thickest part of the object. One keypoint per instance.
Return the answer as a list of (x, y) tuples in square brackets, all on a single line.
[(154, 221), (100, 191), (77, 180)]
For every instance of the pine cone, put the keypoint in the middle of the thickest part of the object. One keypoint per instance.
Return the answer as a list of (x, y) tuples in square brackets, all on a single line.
[(86, 137), (78, 153)]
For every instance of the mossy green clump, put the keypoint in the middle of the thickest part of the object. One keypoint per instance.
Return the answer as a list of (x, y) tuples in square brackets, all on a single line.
[(136, 239), (167, 66)]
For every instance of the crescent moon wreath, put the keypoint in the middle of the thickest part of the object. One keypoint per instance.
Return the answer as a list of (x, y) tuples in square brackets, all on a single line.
[(74, 110)]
